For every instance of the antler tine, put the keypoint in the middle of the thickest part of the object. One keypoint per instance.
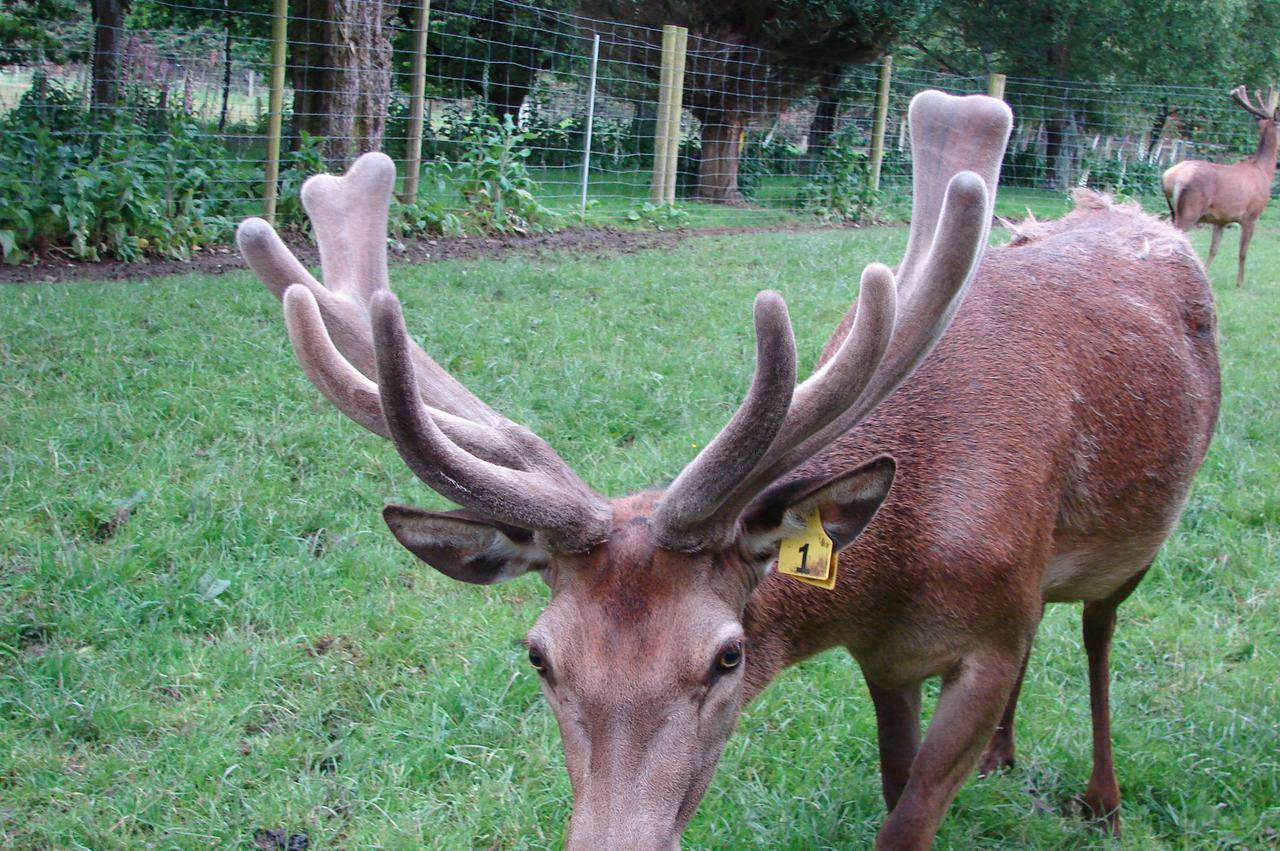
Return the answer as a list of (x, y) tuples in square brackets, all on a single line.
[(702, 486), (519, 478), (349, 214), (553, 499), (1240, 95), (957, 147), (357, 397)]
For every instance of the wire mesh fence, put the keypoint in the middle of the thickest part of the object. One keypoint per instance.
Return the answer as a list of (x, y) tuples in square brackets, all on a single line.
[(164, 148)]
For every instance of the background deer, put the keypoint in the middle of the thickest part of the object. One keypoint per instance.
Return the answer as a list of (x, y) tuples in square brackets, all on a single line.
[(1199, 191), (1041, 452)]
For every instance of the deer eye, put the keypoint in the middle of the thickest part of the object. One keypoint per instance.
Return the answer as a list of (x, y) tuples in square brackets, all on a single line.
[(730, 657), (537, 660)]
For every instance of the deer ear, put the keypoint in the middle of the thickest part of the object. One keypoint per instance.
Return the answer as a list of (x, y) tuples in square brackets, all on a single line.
[(845, 503), (464, 545)]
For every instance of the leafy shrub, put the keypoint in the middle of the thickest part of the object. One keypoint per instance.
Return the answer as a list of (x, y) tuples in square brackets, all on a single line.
[(1123, 178), (99, 186), (495, 181), (426, 216), (154, 181), (1027, 167), (840, 189), (296, 166), (659, 216)]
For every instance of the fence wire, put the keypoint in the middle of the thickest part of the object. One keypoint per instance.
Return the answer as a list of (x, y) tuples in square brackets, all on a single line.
[(184, 121)]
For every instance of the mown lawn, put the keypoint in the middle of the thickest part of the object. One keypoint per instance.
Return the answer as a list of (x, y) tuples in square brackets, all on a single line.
[(206, 632)]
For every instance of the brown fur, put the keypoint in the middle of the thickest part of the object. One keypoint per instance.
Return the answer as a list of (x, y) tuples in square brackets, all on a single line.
[(1027, 472), (1024, 438)]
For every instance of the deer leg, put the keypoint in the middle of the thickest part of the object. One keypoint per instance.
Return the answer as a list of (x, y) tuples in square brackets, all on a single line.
[(999, 751), (898, 734), (1246, 234), (973, 696), (1213, 244), (1102, 798)]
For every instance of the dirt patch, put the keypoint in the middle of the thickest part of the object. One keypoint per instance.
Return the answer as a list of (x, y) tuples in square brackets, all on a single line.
[(276, 839), (326, 644), (54, 268)]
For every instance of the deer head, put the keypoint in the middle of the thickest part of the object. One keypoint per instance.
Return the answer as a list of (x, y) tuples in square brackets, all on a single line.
[(641, 648)]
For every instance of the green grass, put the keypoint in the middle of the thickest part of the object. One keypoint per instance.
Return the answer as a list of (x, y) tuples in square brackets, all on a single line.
[(336, 688)]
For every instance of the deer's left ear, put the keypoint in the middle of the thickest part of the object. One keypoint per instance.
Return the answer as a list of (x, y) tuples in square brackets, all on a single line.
[(464, 545), (845, 503)]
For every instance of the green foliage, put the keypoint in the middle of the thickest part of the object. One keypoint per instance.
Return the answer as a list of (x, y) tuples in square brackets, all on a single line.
[(659, 216), (1025, 167), (765, 156), (840, 189), (495, 181), (1125, 179), (429, 214), (302, 162), (37, 30), (111, 186)]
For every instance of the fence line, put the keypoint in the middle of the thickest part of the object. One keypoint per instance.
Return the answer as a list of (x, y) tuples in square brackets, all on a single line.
[(197, 88)]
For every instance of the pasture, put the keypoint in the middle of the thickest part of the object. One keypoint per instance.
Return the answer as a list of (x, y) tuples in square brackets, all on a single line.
[(206, 632)]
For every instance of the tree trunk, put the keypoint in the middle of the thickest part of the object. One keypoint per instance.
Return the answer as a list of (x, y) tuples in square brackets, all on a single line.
[(370, 41), (718, 164), (1157, 127), (340, 58), (108, 33), (1057, 156), (824, 117), (226, 70), (508, 87)]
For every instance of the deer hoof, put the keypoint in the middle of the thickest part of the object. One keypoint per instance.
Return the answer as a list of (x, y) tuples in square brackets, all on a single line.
[(994, 759), (1102, 810)]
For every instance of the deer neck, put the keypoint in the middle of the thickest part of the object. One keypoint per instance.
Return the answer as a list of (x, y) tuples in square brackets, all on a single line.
[(1265, 156)]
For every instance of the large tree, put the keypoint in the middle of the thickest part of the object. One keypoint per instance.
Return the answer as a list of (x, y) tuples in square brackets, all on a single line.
[(108, 34), (1065, 42), (493, 49), (748, 58), (35, 30), (340, 68)]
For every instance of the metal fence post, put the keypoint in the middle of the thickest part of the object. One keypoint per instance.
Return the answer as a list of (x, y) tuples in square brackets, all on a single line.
[(417, 89), (279, 17), (657, 188), (995, 85), (591, 114), (882, 113)]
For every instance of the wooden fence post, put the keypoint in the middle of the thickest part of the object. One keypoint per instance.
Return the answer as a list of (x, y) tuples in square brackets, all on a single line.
[(677, 103), (657, 188), (279, 17), (882, 113), (417, 88), (995, 85)]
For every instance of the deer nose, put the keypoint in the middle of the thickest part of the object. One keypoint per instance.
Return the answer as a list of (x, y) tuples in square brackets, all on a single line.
[(618, 823)]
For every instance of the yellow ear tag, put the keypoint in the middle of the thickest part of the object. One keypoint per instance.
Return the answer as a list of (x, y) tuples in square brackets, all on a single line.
[(809, 557)]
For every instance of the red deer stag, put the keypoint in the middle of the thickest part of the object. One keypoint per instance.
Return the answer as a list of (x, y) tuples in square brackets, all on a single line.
[(1041, 452), (1199, 191)]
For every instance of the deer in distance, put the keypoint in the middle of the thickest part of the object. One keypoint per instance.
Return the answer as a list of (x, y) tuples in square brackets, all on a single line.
[(1222, 194), (986, 432)]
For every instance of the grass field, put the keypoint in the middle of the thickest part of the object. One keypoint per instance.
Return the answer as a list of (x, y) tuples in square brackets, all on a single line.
[(206, 632), (616, 194)]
